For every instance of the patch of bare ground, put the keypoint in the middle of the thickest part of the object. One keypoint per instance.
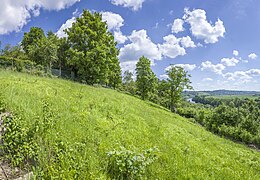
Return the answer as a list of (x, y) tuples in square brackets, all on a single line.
[(7, 172)]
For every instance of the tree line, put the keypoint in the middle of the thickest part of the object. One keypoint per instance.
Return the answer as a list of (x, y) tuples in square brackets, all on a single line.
[(167, 93), (237, 119), (90, 53)]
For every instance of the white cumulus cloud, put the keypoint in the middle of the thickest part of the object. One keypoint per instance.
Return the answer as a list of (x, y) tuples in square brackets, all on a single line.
[(186, 42), (242, 76), (164, 76), (119, 37), (68, 24), (177, 26), (133, 4), (252, 56), (201, 28), (207, 79), (128, 66), (235, 53), (229, 61), (115, 22), (216, 68), (253, 72), (141, 45), (15, 14), (171, 47), (187, 67)]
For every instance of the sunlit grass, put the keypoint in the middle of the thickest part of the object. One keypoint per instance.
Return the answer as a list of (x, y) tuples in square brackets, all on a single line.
[(105, 119)]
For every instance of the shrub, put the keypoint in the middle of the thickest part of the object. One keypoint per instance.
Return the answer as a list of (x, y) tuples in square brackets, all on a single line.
[(187, 112), (18, 145), (21, 65), (127, 164)]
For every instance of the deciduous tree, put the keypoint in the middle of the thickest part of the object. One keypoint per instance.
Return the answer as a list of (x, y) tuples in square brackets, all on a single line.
[(93, 52), (178, 80), (146, 80), (32, 38), (128, 82)]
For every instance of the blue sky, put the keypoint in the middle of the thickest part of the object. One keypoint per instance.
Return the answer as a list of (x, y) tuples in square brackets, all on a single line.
[(216, 41)]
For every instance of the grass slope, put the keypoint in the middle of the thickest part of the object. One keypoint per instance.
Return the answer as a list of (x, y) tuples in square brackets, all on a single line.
[(104, 120)]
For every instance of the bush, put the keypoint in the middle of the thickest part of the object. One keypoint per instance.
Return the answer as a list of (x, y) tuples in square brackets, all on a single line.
[(127, 164), (21, 65), (18, 143), (187, 112)]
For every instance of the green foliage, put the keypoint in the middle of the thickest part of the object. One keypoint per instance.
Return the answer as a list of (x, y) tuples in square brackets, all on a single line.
[(129, 83), (61, 160), (178, 80), (48, 50), (63, 55), (21, 145), (146, 80), (88, 122), (89, 52), (208, 100), (237, 119), (18, 142), (32, 40), (14, 52), (93, 51), (41, 50), (21, 65), (163, 93), (127, 164)]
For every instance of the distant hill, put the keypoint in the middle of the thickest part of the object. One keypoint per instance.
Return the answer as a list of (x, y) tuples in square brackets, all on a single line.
[(221, 93)]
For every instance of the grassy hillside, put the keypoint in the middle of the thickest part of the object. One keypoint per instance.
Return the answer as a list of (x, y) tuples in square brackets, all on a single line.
[(90, 122)]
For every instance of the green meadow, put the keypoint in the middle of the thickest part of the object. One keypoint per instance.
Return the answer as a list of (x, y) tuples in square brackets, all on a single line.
[(89, 122)]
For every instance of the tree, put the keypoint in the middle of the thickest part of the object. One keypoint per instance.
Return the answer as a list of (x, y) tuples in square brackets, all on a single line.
[(48, 49), (163, 93), (32, 38), (63, 54), (146, 80), (178, 80), (14, 52), (7, 50), (42, 50), (128, 77), (1, 51), (114, 69), (128, 82), (31, 44), (93, 54)]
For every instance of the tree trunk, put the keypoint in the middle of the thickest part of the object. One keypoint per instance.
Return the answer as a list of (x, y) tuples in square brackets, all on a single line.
[(50, 67), (60, 69)]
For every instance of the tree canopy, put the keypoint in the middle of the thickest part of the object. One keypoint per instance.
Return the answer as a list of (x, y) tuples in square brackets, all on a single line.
[(146, 80), (32, 38), (93, 52), (178, 80)]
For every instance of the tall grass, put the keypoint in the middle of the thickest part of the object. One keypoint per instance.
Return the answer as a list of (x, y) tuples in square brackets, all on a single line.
[(88, 122)]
